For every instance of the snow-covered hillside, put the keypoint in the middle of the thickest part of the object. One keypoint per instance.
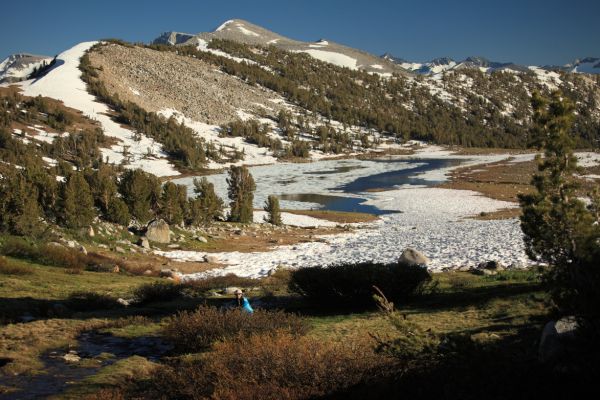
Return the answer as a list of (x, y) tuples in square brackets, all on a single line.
[(64, 83)]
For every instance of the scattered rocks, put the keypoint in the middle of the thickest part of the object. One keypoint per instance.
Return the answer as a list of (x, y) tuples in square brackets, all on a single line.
[(82, 249), (90, 231), (119, 249), (202, 239), (116, 269), (211, 259), (148, 272), (557, 339), (174, 246), (103, 246), (144, 243), (125, 302), (411, 257), (71, 357), (158, 231)]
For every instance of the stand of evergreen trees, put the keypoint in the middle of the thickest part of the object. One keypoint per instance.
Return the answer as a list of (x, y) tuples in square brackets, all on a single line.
[(79, 187)]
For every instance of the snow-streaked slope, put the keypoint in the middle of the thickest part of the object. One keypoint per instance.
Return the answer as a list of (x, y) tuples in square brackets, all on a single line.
[(64, 83)]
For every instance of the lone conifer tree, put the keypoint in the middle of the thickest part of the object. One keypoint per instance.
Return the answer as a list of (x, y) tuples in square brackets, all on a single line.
[(207, 206), (241, 193), (558, 227), (273, 212), (77, 202)]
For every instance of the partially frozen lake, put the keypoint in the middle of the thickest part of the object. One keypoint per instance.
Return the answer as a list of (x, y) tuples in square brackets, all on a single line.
[(432, 220), (337, 185)]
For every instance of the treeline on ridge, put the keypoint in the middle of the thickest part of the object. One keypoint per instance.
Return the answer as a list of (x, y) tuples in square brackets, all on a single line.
[(400, 107)]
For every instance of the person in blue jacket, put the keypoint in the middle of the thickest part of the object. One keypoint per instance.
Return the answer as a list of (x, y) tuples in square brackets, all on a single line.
[(243, 302)]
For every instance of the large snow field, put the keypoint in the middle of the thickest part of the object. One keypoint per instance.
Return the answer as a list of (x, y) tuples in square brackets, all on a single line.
[(431, 220), (64, 83)]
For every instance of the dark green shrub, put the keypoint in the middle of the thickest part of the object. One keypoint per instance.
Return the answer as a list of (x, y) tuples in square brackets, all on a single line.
[(192, 331), (351, 285), (273, 211), (157, 291), (89, 301)]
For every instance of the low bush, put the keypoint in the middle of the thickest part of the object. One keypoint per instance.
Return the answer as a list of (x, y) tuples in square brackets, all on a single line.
[(19, 248), (46, 254), (8, 267), (157, 291), (61, 257), (89, 301), (192, 331), (276, 365), (221, 282), (351, 285)]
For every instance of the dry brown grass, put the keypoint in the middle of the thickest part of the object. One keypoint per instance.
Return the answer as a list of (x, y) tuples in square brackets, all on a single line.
[(501, 180), (504, 180), (339, 217), (193, 331), (277, 365), (504, 213)]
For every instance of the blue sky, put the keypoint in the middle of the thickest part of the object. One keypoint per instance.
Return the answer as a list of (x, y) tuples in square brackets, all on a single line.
[(525, 31)]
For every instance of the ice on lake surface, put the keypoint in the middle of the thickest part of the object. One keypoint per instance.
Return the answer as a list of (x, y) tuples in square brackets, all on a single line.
[(432, 220)]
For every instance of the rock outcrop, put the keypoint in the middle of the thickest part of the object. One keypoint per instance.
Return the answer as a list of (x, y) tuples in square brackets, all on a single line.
[(158, 231)]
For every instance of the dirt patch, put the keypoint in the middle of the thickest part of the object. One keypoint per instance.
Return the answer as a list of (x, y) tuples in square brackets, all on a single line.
[(503, 180), (336, 216)]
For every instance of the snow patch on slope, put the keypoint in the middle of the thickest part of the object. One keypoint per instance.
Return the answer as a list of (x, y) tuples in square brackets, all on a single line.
[(331, 57), (64, 83)]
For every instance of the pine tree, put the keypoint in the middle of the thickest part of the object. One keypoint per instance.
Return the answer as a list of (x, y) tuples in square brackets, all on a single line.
[(173, 203), (207, 206), (19, 210), (141, 192), (118, 212), (273, 212), (558, 228), (241, 193), (77, 202), (103, 183)]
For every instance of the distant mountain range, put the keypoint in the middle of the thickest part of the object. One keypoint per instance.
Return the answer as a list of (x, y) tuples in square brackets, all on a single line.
[(245, 32), (18, 67), (589, 65)]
